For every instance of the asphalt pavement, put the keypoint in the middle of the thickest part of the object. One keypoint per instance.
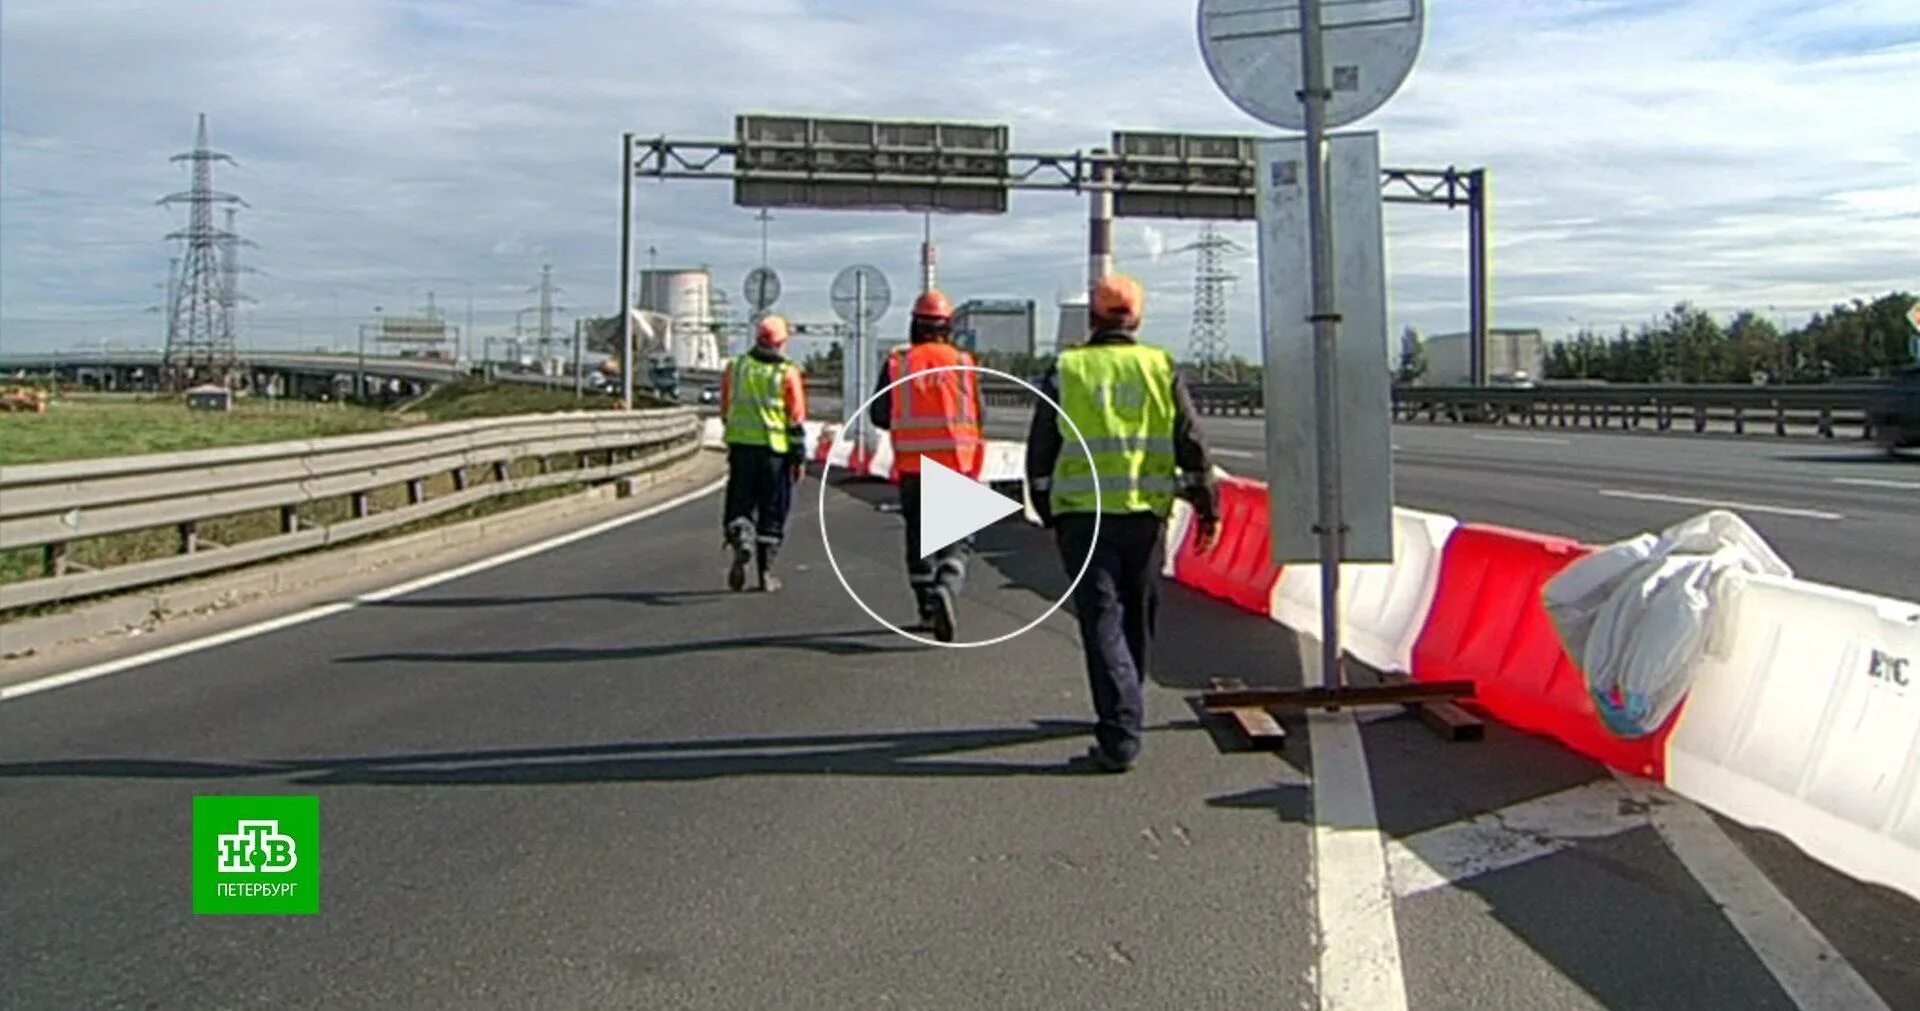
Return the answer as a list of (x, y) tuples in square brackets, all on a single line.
[(593, 778)]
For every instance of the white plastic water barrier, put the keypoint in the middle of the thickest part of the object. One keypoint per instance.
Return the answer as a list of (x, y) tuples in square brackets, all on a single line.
[(1804, 718), (1383, 607)]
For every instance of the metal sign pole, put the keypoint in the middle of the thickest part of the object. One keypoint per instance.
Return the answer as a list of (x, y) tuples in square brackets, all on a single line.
[(626, 271), (856, 358), (1325, 318)]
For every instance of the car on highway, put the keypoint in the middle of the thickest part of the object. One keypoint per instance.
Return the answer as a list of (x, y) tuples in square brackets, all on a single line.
[(1895, 411), (710, 394)]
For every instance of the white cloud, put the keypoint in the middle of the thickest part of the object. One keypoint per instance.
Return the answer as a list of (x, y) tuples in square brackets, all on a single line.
[(1737, 153)]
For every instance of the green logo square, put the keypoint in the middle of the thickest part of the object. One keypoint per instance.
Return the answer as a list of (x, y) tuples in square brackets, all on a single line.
[(256, 856)]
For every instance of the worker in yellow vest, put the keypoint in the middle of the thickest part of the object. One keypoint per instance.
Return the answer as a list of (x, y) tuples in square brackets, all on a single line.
[(1137, 417), (934, 416), (763, 403)]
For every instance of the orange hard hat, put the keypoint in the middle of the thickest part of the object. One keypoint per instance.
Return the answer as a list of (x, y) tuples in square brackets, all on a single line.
[(1118, 298), (771, 331), (933, 306)]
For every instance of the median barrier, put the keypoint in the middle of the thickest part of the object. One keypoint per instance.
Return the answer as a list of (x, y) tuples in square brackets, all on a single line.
[(1487, 624), (1238, 568), (1383, 607), (1804, 719)]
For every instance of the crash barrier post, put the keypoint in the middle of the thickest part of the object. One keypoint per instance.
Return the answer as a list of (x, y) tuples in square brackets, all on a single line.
[(1804, 718), (1239, 567), (1383, 606), (1487, 624)]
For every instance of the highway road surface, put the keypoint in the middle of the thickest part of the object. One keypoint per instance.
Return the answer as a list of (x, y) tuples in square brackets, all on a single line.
[(592, 778)]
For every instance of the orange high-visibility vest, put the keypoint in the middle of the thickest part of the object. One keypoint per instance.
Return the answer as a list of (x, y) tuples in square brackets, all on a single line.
[(936, 415)]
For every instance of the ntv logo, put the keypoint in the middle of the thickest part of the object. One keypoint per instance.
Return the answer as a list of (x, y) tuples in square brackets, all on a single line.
[(257, 846)]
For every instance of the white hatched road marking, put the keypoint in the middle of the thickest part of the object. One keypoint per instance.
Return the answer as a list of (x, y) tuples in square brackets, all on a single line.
[(1511, 836), (1809, 968)]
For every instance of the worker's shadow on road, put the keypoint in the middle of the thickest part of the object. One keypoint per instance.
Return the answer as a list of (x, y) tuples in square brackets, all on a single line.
[(910, 753), (847, 643), (1197, 638)]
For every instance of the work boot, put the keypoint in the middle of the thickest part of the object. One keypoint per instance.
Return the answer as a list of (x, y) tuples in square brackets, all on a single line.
[(769, 583), (742, 557), (943, 616)]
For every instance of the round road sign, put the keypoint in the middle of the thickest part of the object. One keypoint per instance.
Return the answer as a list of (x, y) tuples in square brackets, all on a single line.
[(1252, 49)]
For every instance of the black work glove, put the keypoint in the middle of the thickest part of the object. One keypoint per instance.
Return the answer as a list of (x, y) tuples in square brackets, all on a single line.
[(1205, 500)]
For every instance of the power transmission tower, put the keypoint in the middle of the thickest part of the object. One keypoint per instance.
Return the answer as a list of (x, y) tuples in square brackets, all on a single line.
[(546, 289), (1207, 342), (200, 338), (230, 271)]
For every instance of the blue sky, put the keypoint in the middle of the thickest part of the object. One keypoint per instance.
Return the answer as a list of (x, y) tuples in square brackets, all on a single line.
[(1738, 153)]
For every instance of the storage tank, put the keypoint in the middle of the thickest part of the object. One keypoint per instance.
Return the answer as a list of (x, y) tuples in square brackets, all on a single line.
[(683, 294)]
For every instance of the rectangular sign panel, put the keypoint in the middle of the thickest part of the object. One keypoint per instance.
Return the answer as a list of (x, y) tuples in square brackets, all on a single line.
[(863, 164), (1184, 175), (1363, 393)]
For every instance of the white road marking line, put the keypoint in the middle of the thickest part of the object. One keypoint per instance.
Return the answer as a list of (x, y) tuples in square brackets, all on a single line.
[(1810, 969), (1359, 939), (1244, 454), (1646, 496), (1874, 482), (1496, 840), (1538, 440), (98, 670)]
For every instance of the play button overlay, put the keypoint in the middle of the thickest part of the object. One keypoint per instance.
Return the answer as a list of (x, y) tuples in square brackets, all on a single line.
[(954, 505)]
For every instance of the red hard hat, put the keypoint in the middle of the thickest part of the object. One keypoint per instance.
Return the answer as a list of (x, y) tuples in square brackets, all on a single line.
[(771, 332), (933, 306), (1118, 298)]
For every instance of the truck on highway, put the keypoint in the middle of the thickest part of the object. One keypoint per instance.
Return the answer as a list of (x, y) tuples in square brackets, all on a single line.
[(1514, 357), (658, 374)]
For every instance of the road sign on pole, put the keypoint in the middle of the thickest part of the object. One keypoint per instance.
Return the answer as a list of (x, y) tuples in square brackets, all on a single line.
[(1271, 59), (762, 288)]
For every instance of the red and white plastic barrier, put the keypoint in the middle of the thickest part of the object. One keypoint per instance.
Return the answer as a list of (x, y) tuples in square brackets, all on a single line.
[(1804, 718), (1237, 568), (1383, 607)]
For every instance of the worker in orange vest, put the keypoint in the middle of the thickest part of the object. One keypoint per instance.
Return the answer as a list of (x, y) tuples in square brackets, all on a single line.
[(935, 416)]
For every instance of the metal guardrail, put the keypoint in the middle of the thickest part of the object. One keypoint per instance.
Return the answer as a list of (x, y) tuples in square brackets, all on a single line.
[(1826, 409), (49, 506)]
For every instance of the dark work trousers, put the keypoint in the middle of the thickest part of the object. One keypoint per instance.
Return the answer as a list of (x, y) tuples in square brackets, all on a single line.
[(759, 495), (946, 567), (1115, 603)]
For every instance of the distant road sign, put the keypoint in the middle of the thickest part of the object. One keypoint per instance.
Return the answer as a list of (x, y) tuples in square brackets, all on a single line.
[(846, 294), (762, 287), (1913, 315), (1252, 49)]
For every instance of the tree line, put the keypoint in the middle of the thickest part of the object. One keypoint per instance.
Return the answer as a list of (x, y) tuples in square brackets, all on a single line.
[(1688, 345)]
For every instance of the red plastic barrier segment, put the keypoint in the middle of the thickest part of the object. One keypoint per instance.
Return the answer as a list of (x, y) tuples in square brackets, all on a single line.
[(1239, 568), (1488, 625)]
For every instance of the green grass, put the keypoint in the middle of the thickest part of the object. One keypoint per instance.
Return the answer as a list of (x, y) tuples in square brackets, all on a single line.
[(475, 399), (86, 428), (97, 426)]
